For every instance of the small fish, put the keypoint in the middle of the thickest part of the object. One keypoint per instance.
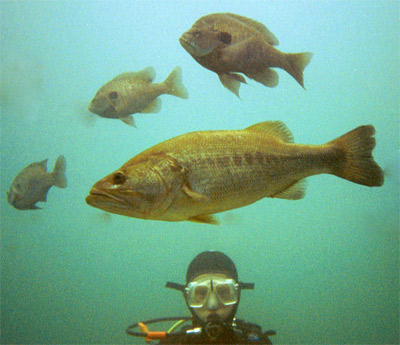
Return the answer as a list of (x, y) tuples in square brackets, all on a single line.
[(195, 175), (33, 182), (135, 92), (226, 43)]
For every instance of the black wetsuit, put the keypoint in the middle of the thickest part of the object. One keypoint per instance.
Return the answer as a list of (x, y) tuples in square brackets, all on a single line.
[(245, 333)]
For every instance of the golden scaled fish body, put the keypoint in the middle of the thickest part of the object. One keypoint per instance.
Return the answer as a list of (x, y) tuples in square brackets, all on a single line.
[(193, 176)]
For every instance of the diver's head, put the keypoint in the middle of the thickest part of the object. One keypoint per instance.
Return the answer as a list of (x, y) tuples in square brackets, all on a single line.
[(212, 290), (212, 297)]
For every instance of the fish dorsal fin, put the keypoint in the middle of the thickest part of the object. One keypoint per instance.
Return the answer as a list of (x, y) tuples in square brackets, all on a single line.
[(147, 74), (277, 129), (261, 28), (295, 191), (42, 164)]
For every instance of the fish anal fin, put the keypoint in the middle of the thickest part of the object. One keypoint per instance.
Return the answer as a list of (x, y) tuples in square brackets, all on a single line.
[(204, 219), (153, 107), (295, 191), (232, 81), (129, 120), (193, 195), (276, 129), (268, 77)]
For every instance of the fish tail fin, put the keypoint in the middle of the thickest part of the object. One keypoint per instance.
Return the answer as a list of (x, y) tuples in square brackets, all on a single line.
[(296, 65), (174, 85), (60, 180), (356, 163)]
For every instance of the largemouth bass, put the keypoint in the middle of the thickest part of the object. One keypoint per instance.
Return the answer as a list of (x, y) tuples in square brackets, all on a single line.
[(195, 175)]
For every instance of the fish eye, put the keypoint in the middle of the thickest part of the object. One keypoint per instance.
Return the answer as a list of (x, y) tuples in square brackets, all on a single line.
[(113, 95), (197, 34), (225, 37), (119, 178)]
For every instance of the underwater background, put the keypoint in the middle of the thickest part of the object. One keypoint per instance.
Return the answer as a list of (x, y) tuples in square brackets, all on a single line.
[(325, 268)]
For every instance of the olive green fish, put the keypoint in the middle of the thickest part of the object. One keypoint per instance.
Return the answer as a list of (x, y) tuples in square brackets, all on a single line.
[(135, 92), (195, 175), (33, 183), (226, 43)]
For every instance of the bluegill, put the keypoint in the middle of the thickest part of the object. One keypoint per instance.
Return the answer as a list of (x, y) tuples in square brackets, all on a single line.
[(33, 183), (195, 175), (226, 43), (135, 92)]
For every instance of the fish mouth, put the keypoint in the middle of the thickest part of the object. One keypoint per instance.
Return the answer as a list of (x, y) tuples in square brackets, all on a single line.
[(191, 47), (98, 198), (107, 110), (92, 107)]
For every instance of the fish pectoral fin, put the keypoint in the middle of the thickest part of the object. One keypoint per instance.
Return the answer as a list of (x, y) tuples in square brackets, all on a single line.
[(267, 77), (153, 107), (277, 129), (193, 195), (129, 120), (295, 191), (204, 219), (232, 81), (34, 207)]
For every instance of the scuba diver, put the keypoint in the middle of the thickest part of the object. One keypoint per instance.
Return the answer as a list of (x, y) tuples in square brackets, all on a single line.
[(212, 294)]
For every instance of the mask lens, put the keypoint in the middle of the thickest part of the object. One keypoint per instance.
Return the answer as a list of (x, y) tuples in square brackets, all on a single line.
[(197, 293), (226, 293), (200, 293)]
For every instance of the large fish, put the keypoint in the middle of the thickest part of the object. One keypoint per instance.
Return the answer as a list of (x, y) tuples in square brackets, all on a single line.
[(193, 176), (135, 92), (226, 43), (33, 182)]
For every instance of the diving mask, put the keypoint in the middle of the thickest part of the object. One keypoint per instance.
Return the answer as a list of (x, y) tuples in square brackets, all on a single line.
[(198, 292)]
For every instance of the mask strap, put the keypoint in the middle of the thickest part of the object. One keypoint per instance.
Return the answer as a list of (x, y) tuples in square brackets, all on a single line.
[(175, 286), (246, 286)]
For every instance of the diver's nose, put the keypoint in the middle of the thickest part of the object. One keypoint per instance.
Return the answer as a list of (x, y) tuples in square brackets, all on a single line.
[(212, 302)]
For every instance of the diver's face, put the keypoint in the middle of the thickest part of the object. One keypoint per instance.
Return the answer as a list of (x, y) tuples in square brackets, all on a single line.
[(211, 295)]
